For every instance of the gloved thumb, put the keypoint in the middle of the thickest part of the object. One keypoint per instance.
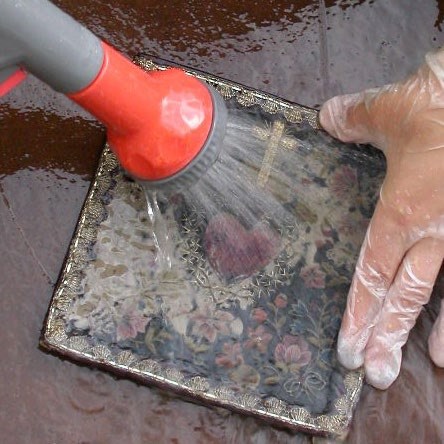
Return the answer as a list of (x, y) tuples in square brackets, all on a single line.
[(350, 117)]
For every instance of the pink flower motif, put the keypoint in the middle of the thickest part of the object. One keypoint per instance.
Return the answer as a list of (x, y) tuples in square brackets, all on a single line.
[(326, 231), (349, 227), (231, 356), (292, 353), (320, 243), (280, 300), (208, 323), (343, 181), (131, 322), (313, 276), (259, 314), (259, 338)]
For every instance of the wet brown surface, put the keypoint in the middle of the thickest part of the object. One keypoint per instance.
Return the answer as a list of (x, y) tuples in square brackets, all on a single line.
[(305, 51)]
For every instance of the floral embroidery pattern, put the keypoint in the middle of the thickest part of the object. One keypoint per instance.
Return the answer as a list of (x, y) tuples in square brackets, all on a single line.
[(131, 322), (292, 353), (313, 276), (231, 355), (208, 325), (343, 180), (267, 332), (258, 338)]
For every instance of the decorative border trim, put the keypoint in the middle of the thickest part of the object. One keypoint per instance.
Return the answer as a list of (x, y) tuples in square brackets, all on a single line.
[(147, 371)]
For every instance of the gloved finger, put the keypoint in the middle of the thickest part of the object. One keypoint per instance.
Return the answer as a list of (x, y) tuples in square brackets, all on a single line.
[(436, 339), (410, 290), (375, 271), (351, 117)]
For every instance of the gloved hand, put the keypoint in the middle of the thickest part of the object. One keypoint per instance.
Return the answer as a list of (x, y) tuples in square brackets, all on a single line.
[(404, 245)]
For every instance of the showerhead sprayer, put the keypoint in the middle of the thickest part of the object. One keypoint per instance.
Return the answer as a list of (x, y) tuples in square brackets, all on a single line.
[(170, 131), (165, 127)]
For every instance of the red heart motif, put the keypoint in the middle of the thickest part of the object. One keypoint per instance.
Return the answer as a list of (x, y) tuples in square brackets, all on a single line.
[(234, 251)]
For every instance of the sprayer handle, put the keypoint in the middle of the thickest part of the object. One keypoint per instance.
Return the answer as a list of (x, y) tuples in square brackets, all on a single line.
[(42, 39)]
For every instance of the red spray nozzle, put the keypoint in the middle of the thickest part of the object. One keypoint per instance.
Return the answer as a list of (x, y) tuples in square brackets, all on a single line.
[(157, 122)]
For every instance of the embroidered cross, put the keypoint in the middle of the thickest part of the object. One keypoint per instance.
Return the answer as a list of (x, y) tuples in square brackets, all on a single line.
[(276, 138)]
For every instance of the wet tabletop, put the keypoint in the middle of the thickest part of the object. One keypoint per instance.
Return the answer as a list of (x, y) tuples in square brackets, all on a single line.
[(301, 50)]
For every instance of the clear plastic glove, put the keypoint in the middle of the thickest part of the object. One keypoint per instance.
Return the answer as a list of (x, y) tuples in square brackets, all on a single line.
[(404, 245)]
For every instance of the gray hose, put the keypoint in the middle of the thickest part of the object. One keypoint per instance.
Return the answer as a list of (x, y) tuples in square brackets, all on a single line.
[(48, 43)]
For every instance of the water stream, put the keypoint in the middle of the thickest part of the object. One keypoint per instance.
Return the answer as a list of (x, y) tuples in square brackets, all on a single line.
[(160, 233)]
